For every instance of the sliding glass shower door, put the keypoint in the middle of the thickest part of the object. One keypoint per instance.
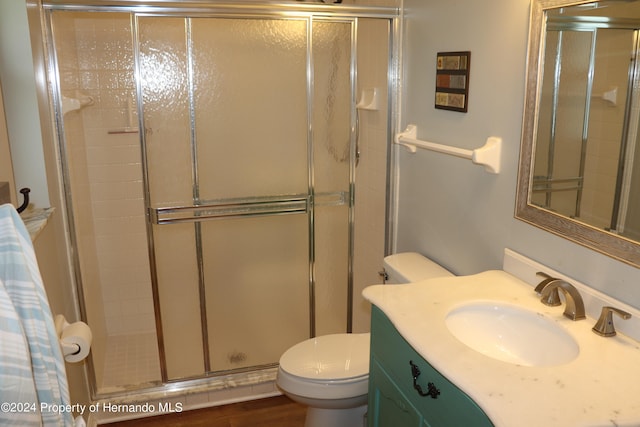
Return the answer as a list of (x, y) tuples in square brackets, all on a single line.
[(224, 112), (209, 167), (240, 199)]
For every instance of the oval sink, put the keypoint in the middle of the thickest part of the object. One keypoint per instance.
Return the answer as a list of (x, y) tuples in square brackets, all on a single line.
[(512, 334)]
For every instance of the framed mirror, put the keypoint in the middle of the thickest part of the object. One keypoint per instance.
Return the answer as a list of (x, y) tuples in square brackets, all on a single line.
[(579, 173)]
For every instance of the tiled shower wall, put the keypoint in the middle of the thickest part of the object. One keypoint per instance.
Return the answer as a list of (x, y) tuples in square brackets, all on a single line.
[(371, 173), (605, 128), (112, 192)]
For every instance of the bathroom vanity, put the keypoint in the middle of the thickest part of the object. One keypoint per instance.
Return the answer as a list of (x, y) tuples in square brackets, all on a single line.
[(393, 398), (551, 371)]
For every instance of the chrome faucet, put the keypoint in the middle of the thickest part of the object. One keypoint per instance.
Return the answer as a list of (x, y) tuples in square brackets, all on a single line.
[(574, 306)]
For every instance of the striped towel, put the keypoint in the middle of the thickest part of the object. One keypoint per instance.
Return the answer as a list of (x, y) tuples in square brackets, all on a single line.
[(33, 382)]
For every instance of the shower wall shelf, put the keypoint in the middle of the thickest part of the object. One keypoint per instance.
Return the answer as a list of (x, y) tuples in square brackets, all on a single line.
[(73, 104), (488, 155), (369, 99), (610, 96), (131, 120), (123, 130)]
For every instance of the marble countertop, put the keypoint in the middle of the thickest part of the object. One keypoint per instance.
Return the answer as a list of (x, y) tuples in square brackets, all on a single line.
[(35, 220), (600, 387)]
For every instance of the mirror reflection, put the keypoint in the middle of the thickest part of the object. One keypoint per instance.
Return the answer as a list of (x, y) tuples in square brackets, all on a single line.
[(589, 111), (579, 176)]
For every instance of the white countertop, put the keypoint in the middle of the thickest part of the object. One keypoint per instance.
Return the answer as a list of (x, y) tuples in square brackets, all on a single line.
[(35, 220), (600, 387)]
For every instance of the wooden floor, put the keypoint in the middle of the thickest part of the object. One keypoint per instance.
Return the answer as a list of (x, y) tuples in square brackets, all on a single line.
[(277, 411)]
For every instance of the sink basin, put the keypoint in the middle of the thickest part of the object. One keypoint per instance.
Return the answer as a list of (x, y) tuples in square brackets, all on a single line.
[(511, 334)]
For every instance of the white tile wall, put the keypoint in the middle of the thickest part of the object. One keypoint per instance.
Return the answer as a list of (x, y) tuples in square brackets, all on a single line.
[(114, 174), (130, 360)]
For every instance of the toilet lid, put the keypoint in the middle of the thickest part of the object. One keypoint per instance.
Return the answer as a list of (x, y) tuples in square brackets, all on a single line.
[(337, 356)]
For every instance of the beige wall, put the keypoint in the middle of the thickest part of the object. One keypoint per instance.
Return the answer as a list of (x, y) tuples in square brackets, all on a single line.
[(6, 167)]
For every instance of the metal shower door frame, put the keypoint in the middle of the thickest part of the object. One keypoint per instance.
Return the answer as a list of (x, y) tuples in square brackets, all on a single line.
[(243, 207), (207, 8)]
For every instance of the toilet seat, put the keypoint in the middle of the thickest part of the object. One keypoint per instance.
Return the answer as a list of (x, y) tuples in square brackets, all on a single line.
[(327, 367)]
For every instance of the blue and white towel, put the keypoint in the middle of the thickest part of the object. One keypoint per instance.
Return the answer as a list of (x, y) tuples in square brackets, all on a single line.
[(33, 381)]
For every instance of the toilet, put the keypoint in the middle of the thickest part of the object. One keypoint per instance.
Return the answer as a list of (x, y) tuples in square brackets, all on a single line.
[(330, 373)]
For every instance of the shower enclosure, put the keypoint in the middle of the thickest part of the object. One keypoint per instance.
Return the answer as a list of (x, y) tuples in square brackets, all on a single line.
[(209, 156)]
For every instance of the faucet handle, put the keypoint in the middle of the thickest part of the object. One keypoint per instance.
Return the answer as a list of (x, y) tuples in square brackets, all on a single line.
[(604, 325), (552, 298)]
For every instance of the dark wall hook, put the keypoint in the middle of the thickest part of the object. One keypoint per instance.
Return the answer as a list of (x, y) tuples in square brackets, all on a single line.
[(25, 201)]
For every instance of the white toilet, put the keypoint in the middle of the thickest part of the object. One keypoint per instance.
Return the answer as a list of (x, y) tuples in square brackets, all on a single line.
[(330, 373)]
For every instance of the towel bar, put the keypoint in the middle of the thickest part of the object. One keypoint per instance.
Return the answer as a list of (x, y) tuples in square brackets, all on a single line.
[(488, 155)]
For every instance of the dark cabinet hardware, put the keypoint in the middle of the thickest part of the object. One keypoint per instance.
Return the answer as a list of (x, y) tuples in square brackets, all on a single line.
[(432, 390)]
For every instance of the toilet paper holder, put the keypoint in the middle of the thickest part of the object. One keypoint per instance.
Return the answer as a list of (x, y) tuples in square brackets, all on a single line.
[(75, 339)]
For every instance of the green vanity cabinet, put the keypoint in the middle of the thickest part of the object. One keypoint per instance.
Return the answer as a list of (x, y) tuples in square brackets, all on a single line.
[(393, 399)]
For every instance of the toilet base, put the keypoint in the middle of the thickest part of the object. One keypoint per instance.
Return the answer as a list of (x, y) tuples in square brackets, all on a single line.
[(349, 417)]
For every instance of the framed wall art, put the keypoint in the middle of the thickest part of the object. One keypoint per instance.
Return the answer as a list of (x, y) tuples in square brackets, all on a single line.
[(452, 81)]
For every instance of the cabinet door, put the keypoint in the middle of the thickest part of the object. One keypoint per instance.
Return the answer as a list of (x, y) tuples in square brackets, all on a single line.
[(451, 408), (388, 406)]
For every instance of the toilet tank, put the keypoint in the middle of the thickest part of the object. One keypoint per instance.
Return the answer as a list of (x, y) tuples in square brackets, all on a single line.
[(409, 267)]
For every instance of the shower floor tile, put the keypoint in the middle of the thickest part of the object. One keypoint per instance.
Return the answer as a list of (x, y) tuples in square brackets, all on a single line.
[(130, 360)]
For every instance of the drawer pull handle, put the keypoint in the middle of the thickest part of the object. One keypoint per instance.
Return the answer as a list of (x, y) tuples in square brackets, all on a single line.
[(432, 390)]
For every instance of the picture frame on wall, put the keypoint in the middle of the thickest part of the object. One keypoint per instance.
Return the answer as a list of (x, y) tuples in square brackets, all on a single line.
[(452, 81)]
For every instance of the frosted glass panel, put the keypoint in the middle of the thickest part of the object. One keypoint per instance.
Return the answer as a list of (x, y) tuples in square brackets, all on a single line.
[(94, 54), (545, 118), (257, 288), (332, 105), (250, 104), (332, 256), (570, 115), (561, 139), (332, 149), (606, 124), (178, 292), (164, 83)]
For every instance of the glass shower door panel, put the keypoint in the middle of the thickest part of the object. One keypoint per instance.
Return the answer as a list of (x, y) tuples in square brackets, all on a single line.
[(332, 156), (332, 106), (606, 126), (570, 115), (179, 299), (564, 127), (250, 94), (94, 56), (164, 84), (544, 130), (257, 288), (331, 268)]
